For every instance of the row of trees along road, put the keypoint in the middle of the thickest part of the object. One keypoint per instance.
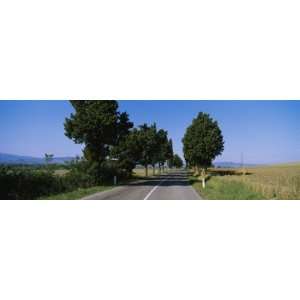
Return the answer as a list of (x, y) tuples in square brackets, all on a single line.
[(202, 143), (109, 138), (177, 161)]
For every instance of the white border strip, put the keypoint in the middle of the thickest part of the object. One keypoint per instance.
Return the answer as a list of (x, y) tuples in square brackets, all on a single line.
[(151, 192)]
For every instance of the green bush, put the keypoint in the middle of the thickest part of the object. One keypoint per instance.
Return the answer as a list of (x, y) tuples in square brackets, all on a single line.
[(20, 182), (24, 183), (79, 176)]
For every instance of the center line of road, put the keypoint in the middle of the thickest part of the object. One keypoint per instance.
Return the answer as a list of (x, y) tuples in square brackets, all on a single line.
[(150, 193)]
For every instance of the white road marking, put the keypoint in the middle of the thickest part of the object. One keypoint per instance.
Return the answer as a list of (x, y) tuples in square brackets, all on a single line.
[(196, 193), (151, 192)]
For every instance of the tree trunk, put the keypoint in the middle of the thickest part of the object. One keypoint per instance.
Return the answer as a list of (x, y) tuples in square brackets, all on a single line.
[(146, 170), (197, 173), (153, 170)]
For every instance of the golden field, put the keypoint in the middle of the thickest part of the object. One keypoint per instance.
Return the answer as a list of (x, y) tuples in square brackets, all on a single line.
[(273, 182)]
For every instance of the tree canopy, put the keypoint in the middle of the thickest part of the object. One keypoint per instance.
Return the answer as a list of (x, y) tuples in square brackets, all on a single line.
[(111, 142), (127, 152), (162, 149), (177, 161), (98, 125), (202, 142), (149, 146)]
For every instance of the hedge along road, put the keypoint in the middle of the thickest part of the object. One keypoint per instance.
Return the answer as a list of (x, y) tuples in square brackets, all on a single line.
[(172, 186)]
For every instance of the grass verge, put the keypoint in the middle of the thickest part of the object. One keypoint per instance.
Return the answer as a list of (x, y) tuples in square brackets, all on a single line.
[(218, 188), (83, 192), (79, 193)]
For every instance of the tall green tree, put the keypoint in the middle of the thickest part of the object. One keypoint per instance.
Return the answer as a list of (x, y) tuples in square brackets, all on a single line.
[(146, 139), (202, 142), (177, 161), (162, 150), (127, 152), (156, 149), (99, 126), (170, 154)]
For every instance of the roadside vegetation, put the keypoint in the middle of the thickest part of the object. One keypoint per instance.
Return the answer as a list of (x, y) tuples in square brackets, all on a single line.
[(78, 193), (32, 182), (139, 173), (266, 182), (113, 147), (273, 182), (177, 161), (220, 188), (202, 143)]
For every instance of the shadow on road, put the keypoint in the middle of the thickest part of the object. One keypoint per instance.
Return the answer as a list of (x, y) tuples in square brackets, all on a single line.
[(178, 179)]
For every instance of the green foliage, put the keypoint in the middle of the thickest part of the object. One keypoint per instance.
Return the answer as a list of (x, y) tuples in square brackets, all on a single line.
[(148, 146), (218, 188), (78, 193), (203, 141), (98, 125), (80, 175), (170, 154), (147, 142), (112, 147), (26, 183), (103, 130), (161, 153), (127, 153), (177, 161), (19, 182)]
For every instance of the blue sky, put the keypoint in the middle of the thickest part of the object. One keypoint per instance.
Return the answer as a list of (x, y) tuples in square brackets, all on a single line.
[(265, 131)]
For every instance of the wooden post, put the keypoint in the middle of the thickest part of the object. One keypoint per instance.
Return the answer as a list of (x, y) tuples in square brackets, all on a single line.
[(203, 178)]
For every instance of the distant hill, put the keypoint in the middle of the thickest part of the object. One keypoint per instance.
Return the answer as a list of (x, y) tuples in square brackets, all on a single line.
[(287, 164), (238, 165), (229, 164), (29, 160)]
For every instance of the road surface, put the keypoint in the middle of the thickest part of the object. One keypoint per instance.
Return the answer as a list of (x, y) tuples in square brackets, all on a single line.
[(172, 186)]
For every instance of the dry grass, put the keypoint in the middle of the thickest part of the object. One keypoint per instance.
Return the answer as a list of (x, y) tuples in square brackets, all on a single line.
[(140, 172), (61, 172), (273, 182), (218, 188)]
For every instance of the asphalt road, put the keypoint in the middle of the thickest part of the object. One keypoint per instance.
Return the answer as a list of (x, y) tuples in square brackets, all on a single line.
[(172, 186)]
